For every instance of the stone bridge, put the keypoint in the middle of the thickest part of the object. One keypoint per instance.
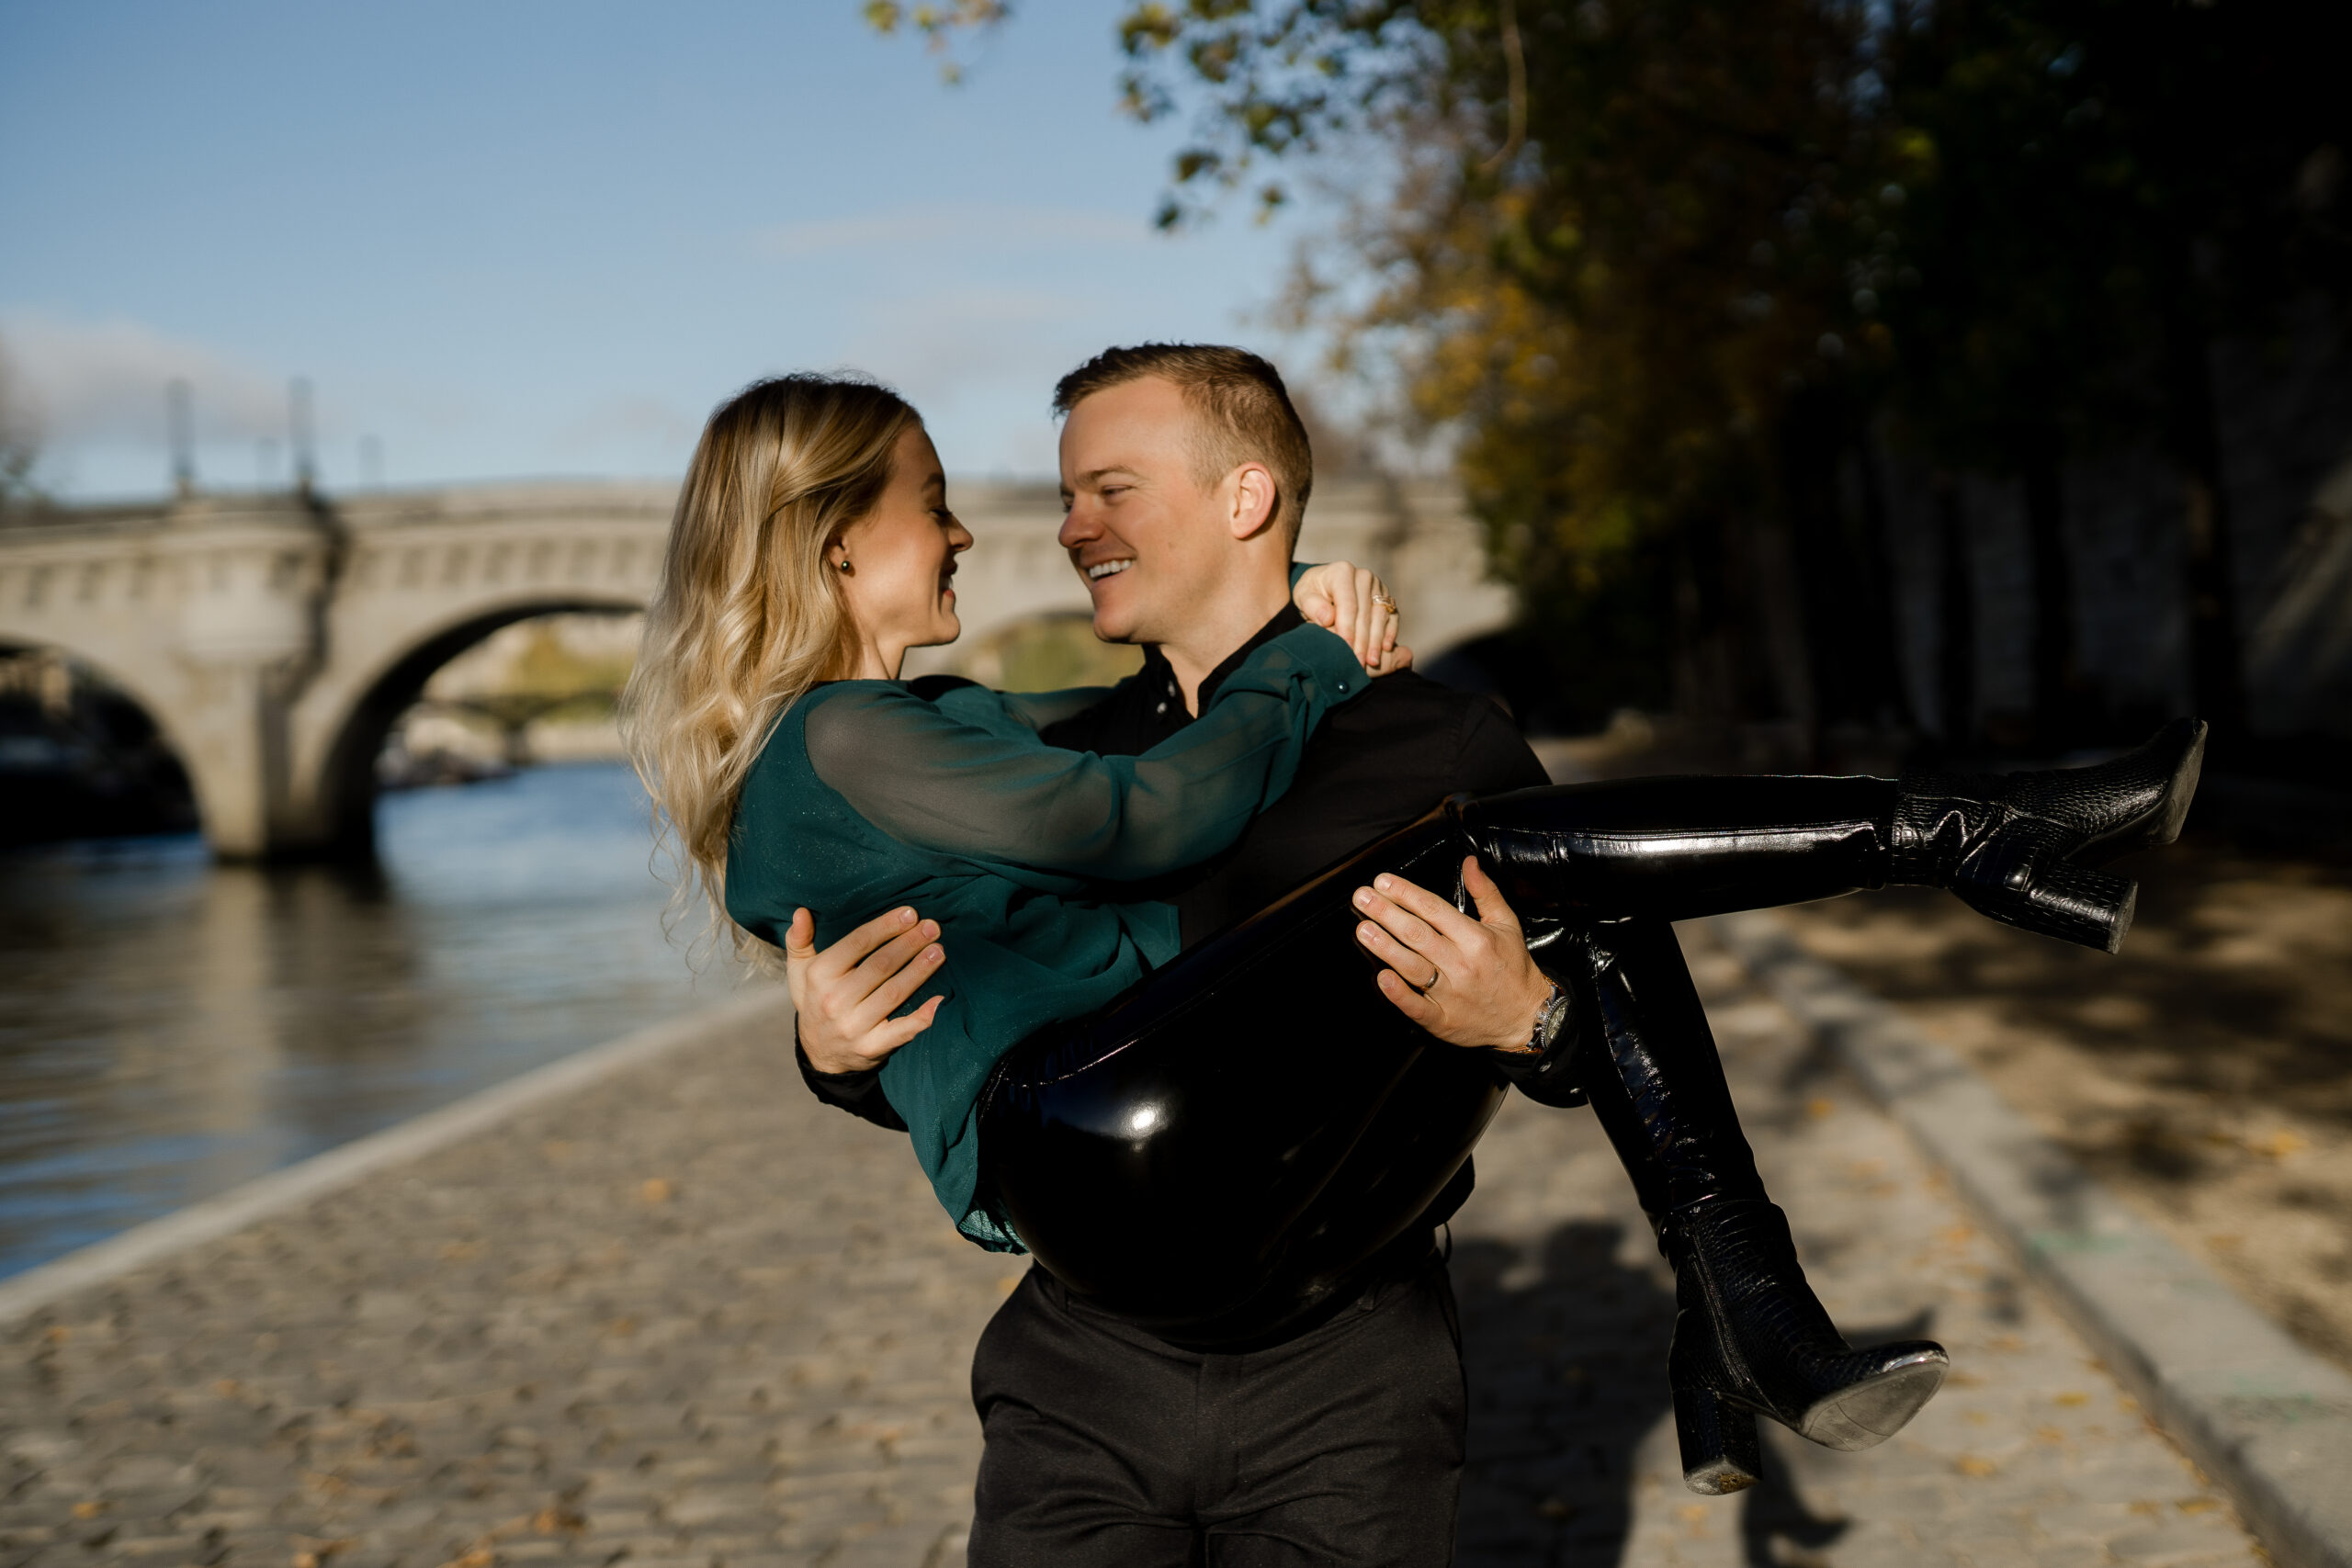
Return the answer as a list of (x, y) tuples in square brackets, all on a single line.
[(276, 638)]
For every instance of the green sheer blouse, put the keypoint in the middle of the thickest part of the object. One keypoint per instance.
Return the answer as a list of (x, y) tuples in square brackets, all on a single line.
[(868, 796)]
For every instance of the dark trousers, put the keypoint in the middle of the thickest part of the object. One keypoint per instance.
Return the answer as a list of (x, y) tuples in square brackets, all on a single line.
[(1107, 1446)]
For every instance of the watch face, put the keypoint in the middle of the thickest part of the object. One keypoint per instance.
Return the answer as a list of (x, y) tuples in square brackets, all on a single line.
[(1547, 1030), (1548, 1022)]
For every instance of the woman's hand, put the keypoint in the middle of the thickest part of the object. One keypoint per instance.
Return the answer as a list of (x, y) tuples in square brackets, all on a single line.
[(1468, 982), (843, 996), (1356, 606)]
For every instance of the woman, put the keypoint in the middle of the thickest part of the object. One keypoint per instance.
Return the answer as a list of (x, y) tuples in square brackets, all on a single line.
[(812, 548)]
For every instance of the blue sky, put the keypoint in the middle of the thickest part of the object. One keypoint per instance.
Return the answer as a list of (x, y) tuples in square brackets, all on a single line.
[(522, 239)]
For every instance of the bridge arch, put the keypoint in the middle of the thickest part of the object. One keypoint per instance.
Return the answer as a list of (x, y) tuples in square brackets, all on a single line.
[(356, 729), (152, 708), (154, 704)]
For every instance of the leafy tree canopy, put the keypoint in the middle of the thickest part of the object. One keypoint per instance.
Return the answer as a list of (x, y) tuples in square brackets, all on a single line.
[(1675, 269)]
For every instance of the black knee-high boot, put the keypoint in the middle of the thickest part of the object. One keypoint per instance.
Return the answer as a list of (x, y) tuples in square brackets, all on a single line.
[(1750, 1337), (2020, 848)]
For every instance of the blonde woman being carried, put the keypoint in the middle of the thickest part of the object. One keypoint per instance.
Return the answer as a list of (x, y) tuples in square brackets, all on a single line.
[(812, 548)]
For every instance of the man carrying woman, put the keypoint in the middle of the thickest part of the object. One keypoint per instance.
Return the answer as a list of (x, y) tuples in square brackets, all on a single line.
[(1230, 1150)]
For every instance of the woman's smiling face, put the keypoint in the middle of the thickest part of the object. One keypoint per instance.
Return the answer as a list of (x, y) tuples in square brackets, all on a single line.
[(900, 562)]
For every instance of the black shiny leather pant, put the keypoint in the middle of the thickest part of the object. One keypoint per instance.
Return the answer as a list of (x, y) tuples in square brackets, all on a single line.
[(1219, 1154), (1650, 1065)]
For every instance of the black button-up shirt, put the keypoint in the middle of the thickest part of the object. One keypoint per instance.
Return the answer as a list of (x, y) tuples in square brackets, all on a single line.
[(1373, 765)]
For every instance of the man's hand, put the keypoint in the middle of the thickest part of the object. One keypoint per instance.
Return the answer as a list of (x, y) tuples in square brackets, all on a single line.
[(845, 996), (1468, 982)]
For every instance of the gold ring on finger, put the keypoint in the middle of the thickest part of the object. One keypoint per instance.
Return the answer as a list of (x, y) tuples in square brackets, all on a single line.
[(1385, 602)]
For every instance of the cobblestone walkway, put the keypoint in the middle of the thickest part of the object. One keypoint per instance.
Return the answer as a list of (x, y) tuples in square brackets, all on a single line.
[(2030, 1455), (690, 1317)]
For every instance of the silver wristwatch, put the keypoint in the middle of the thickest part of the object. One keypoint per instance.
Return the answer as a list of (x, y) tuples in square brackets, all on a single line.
[(1549, 1015)]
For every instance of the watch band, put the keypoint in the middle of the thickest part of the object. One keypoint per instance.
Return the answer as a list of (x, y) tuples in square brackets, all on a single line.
[(1549, 1014)]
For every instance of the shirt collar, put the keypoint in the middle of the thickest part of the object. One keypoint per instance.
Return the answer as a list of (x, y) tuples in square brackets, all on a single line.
[(1159, 676)]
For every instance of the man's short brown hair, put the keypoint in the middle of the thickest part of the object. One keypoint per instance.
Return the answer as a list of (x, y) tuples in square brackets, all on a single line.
[(1242, 411)]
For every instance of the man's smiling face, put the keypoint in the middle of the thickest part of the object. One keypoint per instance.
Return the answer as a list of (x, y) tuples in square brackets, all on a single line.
[(1137, 525)]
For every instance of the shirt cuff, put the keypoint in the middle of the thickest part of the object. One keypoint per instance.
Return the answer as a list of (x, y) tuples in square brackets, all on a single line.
[(1327, 656), (859, 1093)]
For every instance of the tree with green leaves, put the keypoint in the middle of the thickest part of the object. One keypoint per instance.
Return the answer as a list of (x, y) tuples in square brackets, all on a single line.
[(1681, 272), (1616, 262)]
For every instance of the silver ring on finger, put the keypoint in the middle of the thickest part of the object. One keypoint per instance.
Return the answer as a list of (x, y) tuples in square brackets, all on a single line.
[(1385, 602)]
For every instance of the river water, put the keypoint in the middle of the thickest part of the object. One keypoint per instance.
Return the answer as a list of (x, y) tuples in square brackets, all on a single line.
[(170, 1028)]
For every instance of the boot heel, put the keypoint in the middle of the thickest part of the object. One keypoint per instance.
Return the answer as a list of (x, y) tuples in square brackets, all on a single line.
[(1719, 1449), (2071, 903)]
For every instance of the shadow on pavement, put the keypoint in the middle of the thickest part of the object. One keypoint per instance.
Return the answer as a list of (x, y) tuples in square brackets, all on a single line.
[(1565, 1354)]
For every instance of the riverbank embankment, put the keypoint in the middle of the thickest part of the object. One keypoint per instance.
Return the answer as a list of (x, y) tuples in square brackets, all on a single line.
[(679, 1314)]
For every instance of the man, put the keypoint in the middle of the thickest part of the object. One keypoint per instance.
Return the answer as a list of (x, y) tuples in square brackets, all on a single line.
[(1185, 474)]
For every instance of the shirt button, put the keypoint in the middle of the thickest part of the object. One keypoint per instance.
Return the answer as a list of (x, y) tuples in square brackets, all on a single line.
[(1161, 708)]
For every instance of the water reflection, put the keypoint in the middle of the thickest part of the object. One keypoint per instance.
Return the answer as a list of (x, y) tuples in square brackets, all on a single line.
[(169, 1027)]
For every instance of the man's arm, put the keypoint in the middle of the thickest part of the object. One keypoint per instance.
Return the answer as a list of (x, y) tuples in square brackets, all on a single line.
[(842, 1001), (859, 1093), (1471, 983), (1491, 755)]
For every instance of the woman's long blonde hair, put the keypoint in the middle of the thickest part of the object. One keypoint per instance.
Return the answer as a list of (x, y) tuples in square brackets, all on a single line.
[(748, 616)]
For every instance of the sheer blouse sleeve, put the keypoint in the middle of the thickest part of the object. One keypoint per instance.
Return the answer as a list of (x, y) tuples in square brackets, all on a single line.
[(970, 777)]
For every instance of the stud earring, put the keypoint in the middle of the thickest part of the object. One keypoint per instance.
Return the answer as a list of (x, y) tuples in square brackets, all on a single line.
[(843, 566)]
